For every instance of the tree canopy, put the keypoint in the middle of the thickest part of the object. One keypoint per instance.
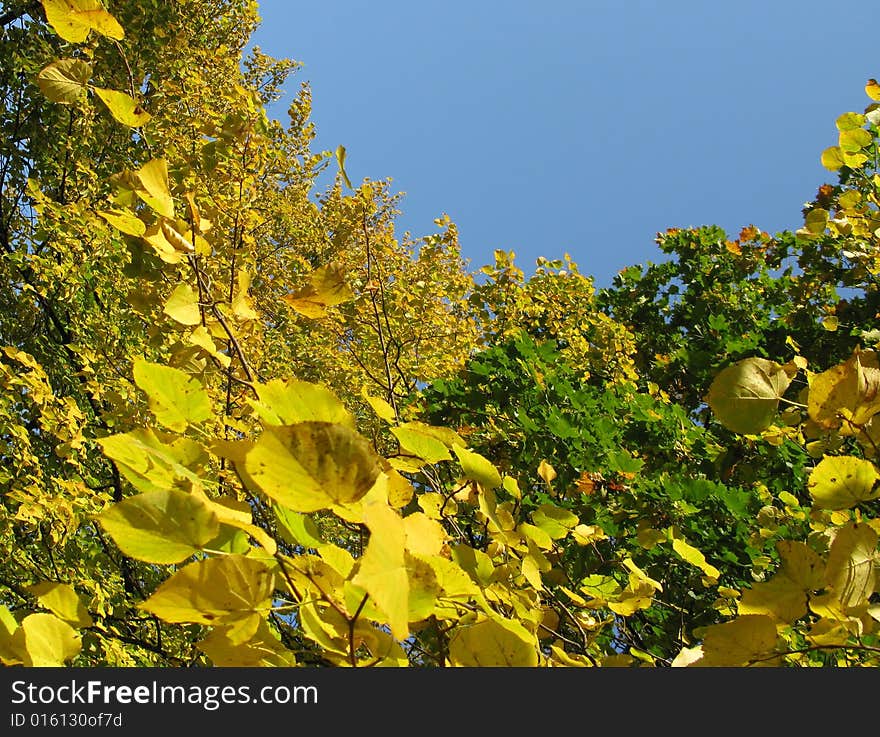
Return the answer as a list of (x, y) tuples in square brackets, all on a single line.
[(246, 423)]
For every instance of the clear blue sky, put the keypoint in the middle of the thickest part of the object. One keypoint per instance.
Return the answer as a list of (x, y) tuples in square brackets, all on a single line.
[(581, 127)]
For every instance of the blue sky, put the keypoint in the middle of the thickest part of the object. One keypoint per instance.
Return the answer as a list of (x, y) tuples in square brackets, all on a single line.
[(581, 127)]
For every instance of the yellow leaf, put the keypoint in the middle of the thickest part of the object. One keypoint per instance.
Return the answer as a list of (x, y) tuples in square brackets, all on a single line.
[(64, 81), (555, 521), (747, 640), (780, 598), (227, 590), (383, 410), (123, 107), (801, 564), (287, 402), (850, 570), (546, 472), (124, 222), (148, 463), (73, 19), (153, 177), (262, 650), (493, 642), (177, 399), (687, 656), (156, 239), (326, 287), (477, 468), (693, 556), (163, 526), (588, 534), (745, 395), (422, 586), (832, 158), (44, 641), (841, 482), (420, 440), (183, 305), (235, 513), (851, 388), (424, 536), (872, 89), (312, 465), (63, 602), (382, 572), (241, 303)]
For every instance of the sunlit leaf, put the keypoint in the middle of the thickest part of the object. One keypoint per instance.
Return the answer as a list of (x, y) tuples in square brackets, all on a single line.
[(872, 89), (745, 396), (282, 402), (148, 463), (780, 598), (493, 642), (326, 287), (841, 482), (73, 19), (177, 399), (44, 641), (124, 222), (155, 192), (163, 526), (477, 468), (312, 465), (420, 440), (64, 81), (215, 591), (123, 107), (851, 564), (747, 640), (63, 602), (382, 572), (183, 305)]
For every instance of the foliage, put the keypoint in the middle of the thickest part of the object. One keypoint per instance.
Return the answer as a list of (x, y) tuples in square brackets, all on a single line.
[(245, 424)]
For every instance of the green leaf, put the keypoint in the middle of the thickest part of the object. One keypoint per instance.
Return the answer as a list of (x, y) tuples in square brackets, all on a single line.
[(164, 526), (183, 305), (296, 528), (63, 602), (745, 396), (226, 590), (123, 107), (64, 81), (73, 19), (177, 399), (477, 468), (155, 192), (841, 482), (493, 642), (312, 465)]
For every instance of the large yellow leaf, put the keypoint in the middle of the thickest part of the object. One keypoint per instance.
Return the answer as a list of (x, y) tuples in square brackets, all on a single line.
[(841, 482), (148, 463), (227, 590), (183, 305), (850, 389), (65, 80), (477, 468), (44, 641), (123, 107), (747, 640), (154, 191), (850, 570), (281, 402), (423, 441), (745, 395), (124, 221), (73, 19), (63, 602), (262, 650), (493, 642), (312, 465), (692, 555), (780, 598), (424, 536), (382, 572), (177, 399), (325, 287), (163, 526), (801, 564)]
